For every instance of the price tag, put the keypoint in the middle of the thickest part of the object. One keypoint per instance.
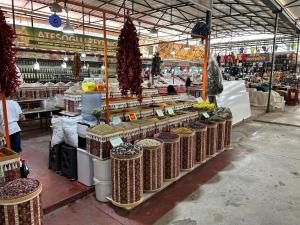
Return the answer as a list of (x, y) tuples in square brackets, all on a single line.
[(159, 112), (132, 116), (199, 100), (115, 120), (170, 111), (205, 114), (115, 141)]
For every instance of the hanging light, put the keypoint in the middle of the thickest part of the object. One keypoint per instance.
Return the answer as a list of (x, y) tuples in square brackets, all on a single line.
[(36, 65), (66, 57), (68, 29), (173, 52), (64, 65), (83, 55), (186, 46), (102, 67), (84, 66)]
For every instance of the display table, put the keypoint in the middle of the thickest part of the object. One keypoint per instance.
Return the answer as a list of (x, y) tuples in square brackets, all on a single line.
[(259, 98)]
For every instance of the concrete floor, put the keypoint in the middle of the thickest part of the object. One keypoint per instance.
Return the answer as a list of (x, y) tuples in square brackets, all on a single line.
[(261, 187), (256, 183)]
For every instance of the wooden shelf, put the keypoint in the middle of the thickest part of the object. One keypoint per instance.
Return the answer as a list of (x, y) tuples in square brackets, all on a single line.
[(148, 195)]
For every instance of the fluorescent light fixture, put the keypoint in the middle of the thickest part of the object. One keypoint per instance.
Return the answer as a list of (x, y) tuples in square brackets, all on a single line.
[(36, 65), (68, 29)]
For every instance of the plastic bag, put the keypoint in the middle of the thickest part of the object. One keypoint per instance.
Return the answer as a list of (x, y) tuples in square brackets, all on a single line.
[(57, 131), (214, 78)]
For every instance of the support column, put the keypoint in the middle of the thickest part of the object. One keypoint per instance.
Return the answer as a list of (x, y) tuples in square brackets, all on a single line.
[(273, 61), (297, 52), (106, 69), (13, 14)]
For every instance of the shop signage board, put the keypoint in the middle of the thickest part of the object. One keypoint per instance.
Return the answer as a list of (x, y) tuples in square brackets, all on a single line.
[(57, 40), (132, 116), (115, 141), (258, 57), (170, 110), (205, 114), (159, 113)]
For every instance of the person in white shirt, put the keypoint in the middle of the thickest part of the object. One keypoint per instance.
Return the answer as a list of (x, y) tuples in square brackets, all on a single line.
[(14, 114)]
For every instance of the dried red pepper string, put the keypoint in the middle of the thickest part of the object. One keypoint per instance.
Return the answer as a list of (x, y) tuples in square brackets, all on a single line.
[(129, 63), (9, 80)]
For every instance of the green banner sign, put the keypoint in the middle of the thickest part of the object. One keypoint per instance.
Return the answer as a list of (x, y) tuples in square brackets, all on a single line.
[(51, 39)]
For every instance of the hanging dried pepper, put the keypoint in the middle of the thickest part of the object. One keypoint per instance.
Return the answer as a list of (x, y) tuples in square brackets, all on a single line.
[(76, 66), (9, 79), (129, 63)]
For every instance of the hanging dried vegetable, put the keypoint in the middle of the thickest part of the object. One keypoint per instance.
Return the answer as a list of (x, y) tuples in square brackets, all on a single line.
[(129, 63), (9, 79), (76, 66)]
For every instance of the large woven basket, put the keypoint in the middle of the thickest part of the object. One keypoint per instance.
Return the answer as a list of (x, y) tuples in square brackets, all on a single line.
[(228, 129), (25, 210), (221, 135), (153, 167), (211, 143), (127, 180), (171, 149), (187, 149), (200, 144)]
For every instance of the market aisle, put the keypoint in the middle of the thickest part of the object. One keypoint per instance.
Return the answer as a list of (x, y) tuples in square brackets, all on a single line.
[(262, 187), (256, 183), (57, 190)]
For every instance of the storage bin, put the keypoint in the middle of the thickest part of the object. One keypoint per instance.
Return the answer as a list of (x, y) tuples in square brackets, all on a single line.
[(221, 125), (23, 209), (211, 141), (228, 130), (102, 189), (9, 166), (127, 180), (171, 150), (200, 141), (187, 147), (85, 168), (102, 169), (152, 165)]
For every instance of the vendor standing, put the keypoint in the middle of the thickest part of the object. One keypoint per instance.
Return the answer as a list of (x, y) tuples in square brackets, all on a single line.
[(14, 114)]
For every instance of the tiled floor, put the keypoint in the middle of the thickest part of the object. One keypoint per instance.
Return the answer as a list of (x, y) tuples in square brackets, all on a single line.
[(56, 189)]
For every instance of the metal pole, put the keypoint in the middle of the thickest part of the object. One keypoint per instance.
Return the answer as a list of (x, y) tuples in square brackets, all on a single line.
[(297, 52), (273, 61), (106, 69), (5, 119), (13, 14)]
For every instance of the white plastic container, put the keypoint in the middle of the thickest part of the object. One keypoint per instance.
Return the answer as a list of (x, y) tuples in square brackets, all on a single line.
[(102, 169), (85, 167), (103, 189)]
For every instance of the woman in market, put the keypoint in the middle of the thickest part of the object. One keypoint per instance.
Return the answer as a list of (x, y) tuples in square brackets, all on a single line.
[(14, 114)]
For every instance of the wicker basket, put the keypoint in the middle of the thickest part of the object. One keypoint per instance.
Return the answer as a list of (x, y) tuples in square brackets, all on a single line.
[(9, 166), (200, 144), (171, 149), (23, 210), (127, 180), (211, 143), (153, 167), (228, 129), (187, 149), (221, 135)]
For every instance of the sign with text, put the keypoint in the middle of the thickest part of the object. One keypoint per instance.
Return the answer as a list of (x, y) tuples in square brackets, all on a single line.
[(115, 141), (132, 116)]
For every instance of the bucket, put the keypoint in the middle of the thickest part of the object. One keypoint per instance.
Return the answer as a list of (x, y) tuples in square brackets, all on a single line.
[(102, 169), (84, 167), (103, 189)]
